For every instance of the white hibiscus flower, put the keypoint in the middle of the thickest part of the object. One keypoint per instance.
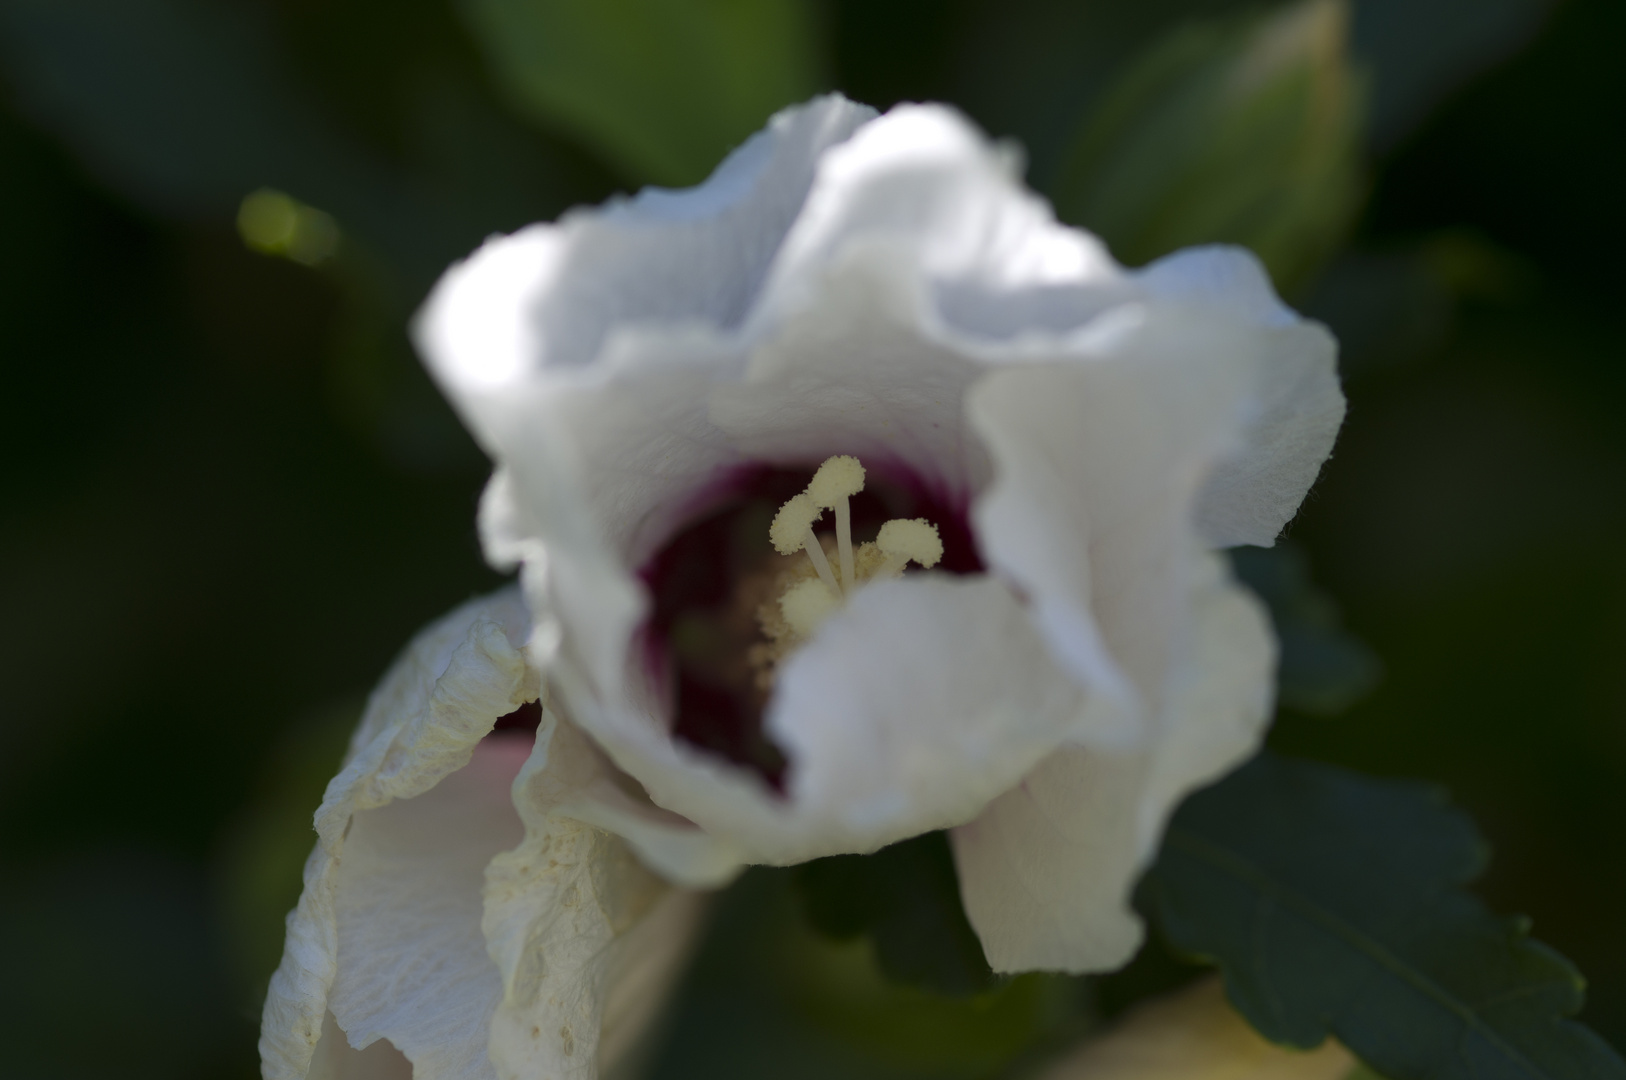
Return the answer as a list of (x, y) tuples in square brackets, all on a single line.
[(854, 497)]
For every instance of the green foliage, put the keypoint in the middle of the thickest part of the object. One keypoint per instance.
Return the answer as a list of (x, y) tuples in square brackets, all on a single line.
[(662, 88), (906, 899), (1333, 904), (1244, 132)]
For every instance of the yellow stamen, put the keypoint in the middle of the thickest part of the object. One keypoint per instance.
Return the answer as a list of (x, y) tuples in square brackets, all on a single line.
[(804, 602)]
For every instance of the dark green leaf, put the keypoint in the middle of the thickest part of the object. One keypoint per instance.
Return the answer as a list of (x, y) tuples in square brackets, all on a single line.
[(1333, 902), (1418, 51), (907, 899), (662, 88)]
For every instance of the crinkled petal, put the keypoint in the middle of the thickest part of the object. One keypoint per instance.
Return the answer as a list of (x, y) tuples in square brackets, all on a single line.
[(422, 724), (1296, 403), (1047, 870), (1194, 1034), (587, 939), (412, 963)]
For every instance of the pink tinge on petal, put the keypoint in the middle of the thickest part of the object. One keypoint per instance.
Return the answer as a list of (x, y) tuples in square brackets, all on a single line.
[(497, 759), (697, 636)]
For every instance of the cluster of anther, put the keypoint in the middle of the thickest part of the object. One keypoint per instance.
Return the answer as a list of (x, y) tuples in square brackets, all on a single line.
[(805, 592)]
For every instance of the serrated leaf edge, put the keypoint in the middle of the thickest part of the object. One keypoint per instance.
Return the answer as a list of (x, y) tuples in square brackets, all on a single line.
[(1243, 870)]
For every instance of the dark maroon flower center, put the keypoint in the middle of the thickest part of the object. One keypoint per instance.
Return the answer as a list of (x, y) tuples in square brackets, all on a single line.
[(523, 720), (703, 583)]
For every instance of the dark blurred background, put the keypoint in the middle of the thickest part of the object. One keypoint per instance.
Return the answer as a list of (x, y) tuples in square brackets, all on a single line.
[(230, 493)]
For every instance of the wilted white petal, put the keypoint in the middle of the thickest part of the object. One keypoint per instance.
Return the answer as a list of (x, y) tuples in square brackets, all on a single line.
[(412, 964), (587, 940), (1194, 1034), (1295, 409), (1047, 870), (422, 724)]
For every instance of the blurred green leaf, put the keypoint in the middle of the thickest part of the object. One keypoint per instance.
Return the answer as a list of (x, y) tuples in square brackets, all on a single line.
[(1323, 669), (906, 899), (662, 88), (1333, 903), (1243, 131)]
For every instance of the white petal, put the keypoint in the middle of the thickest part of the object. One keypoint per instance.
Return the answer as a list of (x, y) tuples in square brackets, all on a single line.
[(1098, 462), (412, 964), (1297, 404), (1194, 1034), (918, 247), (587, 940), (547, 297), (422, 724), (922, 179), (1045, 871), (1048, 869), (910, 710)]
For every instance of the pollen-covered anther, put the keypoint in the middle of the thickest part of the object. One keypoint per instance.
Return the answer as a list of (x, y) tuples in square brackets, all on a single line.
[(806, 604), (794, 521), (792, 528), (909, 540)]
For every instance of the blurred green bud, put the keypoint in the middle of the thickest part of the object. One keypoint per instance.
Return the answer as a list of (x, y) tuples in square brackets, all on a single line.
[(276, 224), (661, 88), (1245, 131)]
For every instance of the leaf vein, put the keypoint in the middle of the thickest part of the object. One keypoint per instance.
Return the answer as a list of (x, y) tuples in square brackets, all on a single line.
[(1241, 869)]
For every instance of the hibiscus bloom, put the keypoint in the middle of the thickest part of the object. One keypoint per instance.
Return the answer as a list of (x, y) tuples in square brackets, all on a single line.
[(853, 498)]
